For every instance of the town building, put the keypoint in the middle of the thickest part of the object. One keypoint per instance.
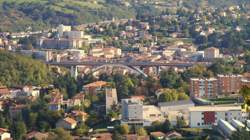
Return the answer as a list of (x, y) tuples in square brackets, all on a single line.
[(67, 123), (132, 112), (211, 53), (111, 98), (203, 88), (206, 116), (229, 84), (4, 134), (4, 92), (151, 114), (93, 88)]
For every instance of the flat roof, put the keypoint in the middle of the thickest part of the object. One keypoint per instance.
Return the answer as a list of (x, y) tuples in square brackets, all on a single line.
[(227, 124), (214, 108)]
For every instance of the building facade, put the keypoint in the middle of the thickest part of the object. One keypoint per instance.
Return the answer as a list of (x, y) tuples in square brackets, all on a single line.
[(203, 88), (206, 116), (229, 84)]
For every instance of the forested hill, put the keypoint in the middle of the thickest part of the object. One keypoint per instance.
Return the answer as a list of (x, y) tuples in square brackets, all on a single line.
[(18, 15), (17, 70)]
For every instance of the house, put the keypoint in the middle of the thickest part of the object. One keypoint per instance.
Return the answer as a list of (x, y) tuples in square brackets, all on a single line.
[(151, 114), (56, 101), (4, 92), (93, 88), (136, 137), (4, 134), (157, 135), (79, 116), (77, 100), (102, 136), (67, 123), (173, 135), (36, 135)]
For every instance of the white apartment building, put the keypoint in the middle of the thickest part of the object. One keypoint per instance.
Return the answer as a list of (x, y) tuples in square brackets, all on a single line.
[(206, 116), (135, 113), (62, 28)]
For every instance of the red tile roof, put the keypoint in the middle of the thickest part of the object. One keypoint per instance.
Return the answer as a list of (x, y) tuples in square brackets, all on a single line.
[(96, 84)]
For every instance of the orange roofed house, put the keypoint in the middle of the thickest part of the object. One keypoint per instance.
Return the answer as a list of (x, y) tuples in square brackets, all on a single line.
[(4, 134), (93, 88), (67, 123), (4, 92)]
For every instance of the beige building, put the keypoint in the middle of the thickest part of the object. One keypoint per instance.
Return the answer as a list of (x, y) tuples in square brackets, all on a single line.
[(67, 123), (151, 114), (4, 134), (211, 53)]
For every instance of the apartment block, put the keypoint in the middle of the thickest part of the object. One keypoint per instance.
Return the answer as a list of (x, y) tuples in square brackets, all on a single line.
[(203, 88), (111, 98), (229, 84), (132, 112), (206, 116)]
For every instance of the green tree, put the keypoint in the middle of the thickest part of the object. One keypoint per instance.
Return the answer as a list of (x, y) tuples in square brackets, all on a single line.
[(60, 134), (169, 79), (243, 134), (166, 126), (18, 129), (180, 122), (123, 129), (141, 131)]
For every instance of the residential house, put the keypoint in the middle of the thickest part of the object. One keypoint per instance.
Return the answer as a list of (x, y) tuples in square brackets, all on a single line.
[(4, 92), (4, 134), (173, 135), (56, 101), (67, 123), (93, 88), (102, 136), (36, 135), (151, 114), (136, 137), (157, 135), (79, 116)]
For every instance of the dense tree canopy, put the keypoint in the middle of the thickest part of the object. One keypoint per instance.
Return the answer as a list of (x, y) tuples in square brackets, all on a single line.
[(17, 70)]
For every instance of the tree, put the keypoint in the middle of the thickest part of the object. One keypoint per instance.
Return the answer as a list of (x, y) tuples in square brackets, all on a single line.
[(117, 136), (245, 92), (82, 129), (243, 134), (166, 126), (181, 122), (169, 79), (141, 131), (60, 134), (123, 129), (18, 130), (182, 96)]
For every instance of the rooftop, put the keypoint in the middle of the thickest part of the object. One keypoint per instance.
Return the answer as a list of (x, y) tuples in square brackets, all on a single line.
[(214, 108), (176, 103), (96, 84), (70, 120)]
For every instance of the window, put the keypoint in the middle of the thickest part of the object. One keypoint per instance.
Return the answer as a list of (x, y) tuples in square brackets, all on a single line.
[(198, 124)]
